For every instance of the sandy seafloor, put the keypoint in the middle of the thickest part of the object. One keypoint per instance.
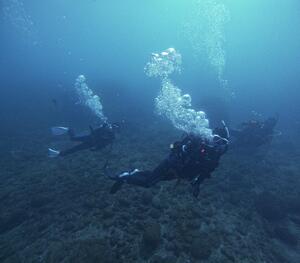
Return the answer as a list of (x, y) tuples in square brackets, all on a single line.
[(60, 210)]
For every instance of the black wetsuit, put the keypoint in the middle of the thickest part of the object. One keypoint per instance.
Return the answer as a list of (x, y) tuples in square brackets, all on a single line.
[(97, 139), (255, 133), (192, 159)]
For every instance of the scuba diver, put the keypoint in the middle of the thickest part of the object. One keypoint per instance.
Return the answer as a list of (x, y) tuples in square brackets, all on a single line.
[(255, 133), (97, 139), (193, 158)]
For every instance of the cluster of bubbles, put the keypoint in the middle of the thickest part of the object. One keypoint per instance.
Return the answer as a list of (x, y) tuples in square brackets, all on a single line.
[(88, 98), (15, 14), (177, 108), (163, 64), (217, 16), (205, 30), (170, 101)]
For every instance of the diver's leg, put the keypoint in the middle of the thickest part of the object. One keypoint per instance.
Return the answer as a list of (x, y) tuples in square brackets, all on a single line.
[(141, 178), (145, 178), (162, 172), (138, 178), (79, 147), (77, 138)]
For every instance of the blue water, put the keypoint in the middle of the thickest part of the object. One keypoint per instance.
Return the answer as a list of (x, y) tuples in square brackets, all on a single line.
[(110, 43), (240, 60)]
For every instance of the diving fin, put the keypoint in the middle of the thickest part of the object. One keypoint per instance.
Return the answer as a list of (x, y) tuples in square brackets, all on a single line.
[(53, 153), (59, 130)]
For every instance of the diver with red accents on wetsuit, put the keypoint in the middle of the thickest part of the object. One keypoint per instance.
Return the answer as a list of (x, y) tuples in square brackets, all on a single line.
[(193, 158)]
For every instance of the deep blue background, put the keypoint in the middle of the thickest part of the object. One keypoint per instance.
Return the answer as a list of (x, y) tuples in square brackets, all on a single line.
[(111, 41)]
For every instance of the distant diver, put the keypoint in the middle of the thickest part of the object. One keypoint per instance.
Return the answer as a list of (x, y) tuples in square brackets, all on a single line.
[(255, 133), (193, 158), (96, 139)]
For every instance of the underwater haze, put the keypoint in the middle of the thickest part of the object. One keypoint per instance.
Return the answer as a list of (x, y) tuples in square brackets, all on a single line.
[(45, 46), (159, 69)]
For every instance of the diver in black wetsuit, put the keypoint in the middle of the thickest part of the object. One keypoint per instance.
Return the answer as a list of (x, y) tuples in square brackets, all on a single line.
[(194, 159), (97, 139), (255, 133)]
